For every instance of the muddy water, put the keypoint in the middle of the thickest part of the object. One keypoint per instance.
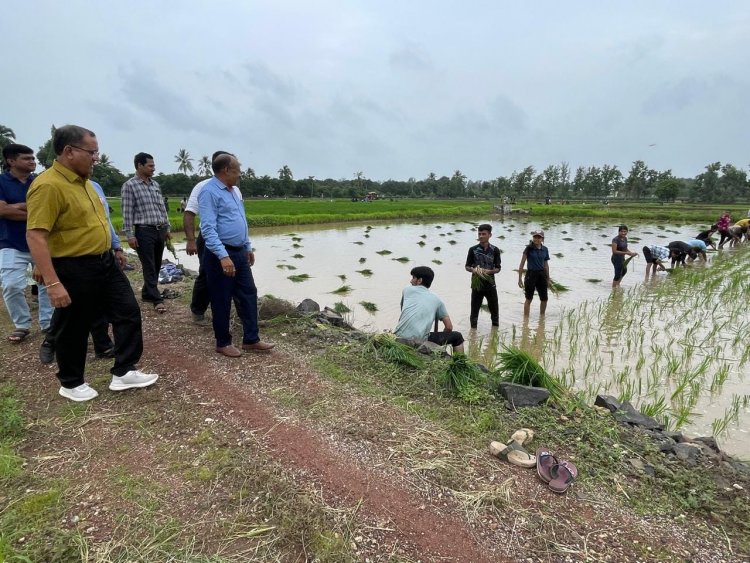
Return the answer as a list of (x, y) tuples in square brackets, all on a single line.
[(580, 254)]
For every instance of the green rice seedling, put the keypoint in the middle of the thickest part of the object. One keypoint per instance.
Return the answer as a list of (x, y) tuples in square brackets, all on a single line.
[(656, 409), (518, 366), (366, 272), (451, 241), (581, 249), (557, 288), (342, 277), (436, 249), (291, 234), (298, 256), (479, 279), (462, 378), (438, 262), (286, 267), (342, 289), (422, 236), (340, 308), (362, 260), (297, 239), (558, 255), (384, 252), (594, 280), (295, 245), (402, 259), (568, 239), (297, 278), (386, 346), (369, 307), (359, 242), (421, 243), (366, 235), (170, 246)]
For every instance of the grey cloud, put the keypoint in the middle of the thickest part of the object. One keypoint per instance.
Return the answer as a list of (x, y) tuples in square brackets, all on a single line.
[(144, 92), (263, 80), (676, 95), (410, 57)]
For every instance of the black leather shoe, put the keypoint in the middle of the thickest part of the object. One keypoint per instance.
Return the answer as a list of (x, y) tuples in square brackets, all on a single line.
[(46, 352)]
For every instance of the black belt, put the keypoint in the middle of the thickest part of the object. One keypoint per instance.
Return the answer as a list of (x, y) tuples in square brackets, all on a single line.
[(159, 227), (233, 248)]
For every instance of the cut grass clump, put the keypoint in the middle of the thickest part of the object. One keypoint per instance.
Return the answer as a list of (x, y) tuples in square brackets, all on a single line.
[(369, 307), (518, 366), (340, 308), (386, 347), (463, 378), (297, 278), (342, 289)]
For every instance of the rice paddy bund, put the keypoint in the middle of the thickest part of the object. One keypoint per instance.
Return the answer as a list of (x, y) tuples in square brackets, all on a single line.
[(675, 346)]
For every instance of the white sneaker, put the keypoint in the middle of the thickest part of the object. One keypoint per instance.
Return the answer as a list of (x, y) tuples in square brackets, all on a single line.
[(79, 394), (132, 379)]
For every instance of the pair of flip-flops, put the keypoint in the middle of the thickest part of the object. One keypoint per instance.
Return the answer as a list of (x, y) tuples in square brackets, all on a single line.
[(513, 451), (558, 474)]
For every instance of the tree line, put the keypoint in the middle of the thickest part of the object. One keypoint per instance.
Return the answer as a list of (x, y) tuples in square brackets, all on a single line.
[(718, 183)]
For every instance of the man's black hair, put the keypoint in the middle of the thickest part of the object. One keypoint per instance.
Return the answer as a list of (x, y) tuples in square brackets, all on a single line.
[(141, 159), (423, 273), (218, 153), (484, 227), (69, 135), (623, 227), (14, 149)]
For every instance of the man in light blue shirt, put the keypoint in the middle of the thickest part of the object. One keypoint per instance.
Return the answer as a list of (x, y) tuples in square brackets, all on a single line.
[(228, 258), (420, 308)]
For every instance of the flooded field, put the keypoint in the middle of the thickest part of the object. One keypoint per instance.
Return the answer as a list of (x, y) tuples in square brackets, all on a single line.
[(669, 344)]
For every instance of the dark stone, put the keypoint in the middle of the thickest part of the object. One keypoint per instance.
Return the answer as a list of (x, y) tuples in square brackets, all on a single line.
[(608, 402), (271, 307), (523, 395), (665, 444), (708, 441), (739, 466), (333, 318), (308, 306), (627, 414), (649, 470), (674, 435), (687, 453)]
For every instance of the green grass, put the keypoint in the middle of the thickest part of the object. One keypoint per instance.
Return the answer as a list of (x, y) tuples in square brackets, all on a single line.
[(297, 278)]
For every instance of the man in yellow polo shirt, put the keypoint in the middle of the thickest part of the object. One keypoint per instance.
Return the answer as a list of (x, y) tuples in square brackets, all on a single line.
[(70, 241)]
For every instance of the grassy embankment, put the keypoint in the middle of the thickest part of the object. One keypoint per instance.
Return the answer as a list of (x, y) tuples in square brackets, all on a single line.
[(276, 212)]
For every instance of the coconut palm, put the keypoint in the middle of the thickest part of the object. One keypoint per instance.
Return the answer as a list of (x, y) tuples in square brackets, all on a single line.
[(204, 166), (184, 162), (7, 136)]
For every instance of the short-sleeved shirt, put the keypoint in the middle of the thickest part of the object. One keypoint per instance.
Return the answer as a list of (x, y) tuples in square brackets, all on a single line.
[(622, 244), (192, 202), (66, 205), (535, 257), (744, 223), (13, 233), (680, 246), (658, 252), (488, 259), (705, 235), (419, 309)]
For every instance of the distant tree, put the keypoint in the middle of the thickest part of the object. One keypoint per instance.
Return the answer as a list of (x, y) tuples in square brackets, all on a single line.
[(668, 189), (7, 136), (108, 176), (184, 162), (637, 180), (706, 185), (204, 166), (457, 184), (46, 153)]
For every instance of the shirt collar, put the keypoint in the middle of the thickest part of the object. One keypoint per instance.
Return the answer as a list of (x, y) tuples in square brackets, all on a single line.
[(69, 175)]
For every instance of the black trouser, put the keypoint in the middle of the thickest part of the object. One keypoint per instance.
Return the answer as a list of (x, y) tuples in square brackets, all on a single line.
[(99, 333), (97, 288), (477, 296), (150, 249), (200, 300)]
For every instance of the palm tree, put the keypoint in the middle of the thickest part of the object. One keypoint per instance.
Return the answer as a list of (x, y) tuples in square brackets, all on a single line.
[(204, 166), (285, 173), (185, 163), (104, 160)]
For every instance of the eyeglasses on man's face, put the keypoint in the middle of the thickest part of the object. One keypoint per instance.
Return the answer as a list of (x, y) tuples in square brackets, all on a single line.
[(92, 153)]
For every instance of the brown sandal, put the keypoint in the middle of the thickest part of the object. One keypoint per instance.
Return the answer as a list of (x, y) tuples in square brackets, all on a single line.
[(18, 335)]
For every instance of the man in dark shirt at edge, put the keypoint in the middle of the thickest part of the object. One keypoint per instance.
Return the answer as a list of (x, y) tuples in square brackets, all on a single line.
[(483, 261)]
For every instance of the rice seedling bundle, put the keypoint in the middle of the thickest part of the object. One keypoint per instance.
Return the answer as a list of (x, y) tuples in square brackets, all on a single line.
[(464, 379), (386, 346), (340, 308), (520, 367), (297, 278), (369, 307), (342, 289)]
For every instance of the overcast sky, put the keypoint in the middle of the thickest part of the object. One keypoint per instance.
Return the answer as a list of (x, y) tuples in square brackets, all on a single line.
[(395, 89)]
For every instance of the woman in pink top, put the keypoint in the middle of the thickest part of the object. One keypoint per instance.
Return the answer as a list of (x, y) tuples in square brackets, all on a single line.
[(723, 224)]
